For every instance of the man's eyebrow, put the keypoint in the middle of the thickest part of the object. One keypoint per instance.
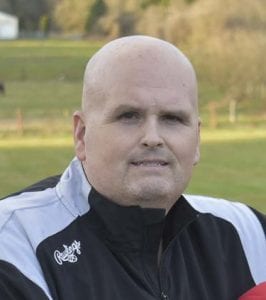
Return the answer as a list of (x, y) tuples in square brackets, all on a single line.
[(126, 107), (180, 112), (173, 111)]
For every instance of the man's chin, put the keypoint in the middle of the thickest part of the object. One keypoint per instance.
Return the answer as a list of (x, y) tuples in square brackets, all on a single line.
[(148, 192)]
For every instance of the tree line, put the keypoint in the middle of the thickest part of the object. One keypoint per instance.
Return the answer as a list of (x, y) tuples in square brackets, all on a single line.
[(175, 20)]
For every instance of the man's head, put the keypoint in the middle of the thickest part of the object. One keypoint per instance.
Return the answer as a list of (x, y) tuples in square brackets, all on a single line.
[(138, 132)]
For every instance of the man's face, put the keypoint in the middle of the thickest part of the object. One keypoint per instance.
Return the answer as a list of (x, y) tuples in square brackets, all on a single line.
[(141, 139)]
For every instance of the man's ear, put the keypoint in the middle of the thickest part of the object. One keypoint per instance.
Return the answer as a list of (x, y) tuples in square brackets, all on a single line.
[(197, 153), (79, 135)]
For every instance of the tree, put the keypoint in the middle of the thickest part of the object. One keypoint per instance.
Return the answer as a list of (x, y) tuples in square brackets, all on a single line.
[(97, 10), (146, 3), (70, 15)]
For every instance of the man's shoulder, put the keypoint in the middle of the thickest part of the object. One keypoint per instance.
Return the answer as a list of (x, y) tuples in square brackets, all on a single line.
[(248, 223), (28, 200), (45, 207), (29, 218), (38, 186), (231, 211)]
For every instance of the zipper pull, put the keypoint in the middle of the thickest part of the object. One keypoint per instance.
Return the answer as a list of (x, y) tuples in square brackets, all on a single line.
[(164, 296)]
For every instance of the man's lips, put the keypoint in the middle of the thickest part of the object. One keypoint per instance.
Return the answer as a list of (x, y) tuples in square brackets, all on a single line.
[(150, 163)]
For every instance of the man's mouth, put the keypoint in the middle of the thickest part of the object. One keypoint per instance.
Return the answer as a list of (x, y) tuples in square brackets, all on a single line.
[(150, 163)]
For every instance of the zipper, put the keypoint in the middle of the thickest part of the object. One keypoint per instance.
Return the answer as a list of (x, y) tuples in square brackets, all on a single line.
[(156, 288), (163, 295)]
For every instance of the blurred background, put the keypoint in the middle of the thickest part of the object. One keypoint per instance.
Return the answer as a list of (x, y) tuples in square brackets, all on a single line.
[(45, 44)]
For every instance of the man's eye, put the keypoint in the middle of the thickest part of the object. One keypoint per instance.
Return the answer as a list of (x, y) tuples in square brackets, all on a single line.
[(130, 115), (172, 118)]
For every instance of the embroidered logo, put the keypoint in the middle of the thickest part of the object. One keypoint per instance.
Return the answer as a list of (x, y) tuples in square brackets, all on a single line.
[(69, 253)]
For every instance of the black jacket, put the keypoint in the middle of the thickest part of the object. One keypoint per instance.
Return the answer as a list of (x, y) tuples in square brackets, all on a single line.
[(67, 242)]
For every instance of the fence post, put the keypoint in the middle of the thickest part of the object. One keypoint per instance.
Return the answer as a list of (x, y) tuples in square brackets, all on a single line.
[(213, 114), (232, 111)]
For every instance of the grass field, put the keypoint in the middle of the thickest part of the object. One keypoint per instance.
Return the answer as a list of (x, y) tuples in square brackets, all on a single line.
[(45, 59), (233, 167), (43, 82)]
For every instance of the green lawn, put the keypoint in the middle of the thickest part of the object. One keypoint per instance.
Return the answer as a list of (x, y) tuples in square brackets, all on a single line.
[(22, 166), (233, 170), (44, 60), (40, 99)]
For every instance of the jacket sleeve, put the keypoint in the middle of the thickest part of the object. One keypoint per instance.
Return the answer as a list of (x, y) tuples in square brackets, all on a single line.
[(15, 286)]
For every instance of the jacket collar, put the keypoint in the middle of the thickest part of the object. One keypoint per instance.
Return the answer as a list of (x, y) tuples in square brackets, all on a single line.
[(132, 228)]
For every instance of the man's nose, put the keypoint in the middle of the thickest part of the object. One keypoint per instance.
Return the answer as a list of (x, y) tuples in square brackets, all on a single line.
[(151, 135)]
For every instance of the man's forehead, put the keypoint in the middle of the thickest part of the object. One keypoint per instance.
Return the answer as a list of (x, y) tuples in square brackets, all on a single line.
[(154, 74)]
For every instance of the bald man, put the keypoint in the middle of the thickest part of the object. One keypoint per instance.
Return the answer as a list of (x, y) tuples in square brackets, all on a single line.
[(116, 224)]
